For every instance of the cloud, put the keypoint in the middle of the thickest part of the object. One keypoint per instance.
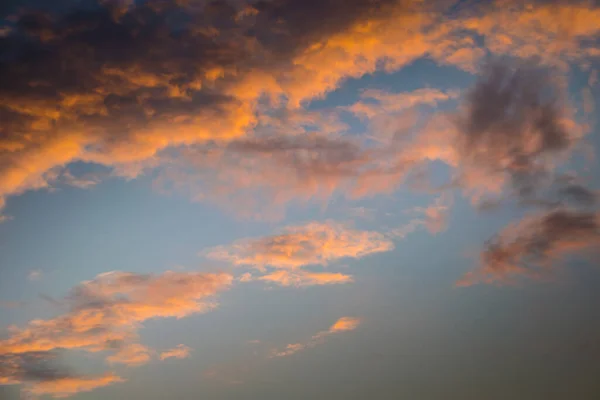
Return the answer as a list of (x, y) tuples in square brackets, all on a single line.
[(181, 351), (67, 387), (435, 215), (105, 314), (304, 278), (383, 103), (556, 32), (132, 355), (531, 247), (579, 194), (316, 243), (281, 169), (514, 129), (41, 375), (344, 324), (79, 83), (35, 275)]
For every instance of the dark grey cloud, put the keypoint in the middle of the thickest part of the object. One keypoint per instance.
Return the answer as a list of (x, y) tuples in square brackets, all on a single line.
[(513, 123), (33, 367), (536, 244)]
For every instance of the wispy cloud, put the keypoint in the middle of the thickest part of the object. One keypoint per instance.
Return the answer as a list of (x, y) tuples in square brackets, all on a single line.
[(181, 351), (531, 247), (516, 129), (66, 387), (296, 247), (344, 324), (305, 278), (316, 243)]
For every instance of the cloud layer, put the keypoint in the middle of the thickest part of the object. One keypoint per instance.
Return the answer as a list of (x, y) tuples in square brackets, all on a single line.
[(114, 83)]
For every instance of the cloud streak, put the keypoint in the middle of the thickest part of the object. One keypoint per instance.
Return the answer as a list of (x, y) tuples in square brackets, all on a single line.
[(344, 324)]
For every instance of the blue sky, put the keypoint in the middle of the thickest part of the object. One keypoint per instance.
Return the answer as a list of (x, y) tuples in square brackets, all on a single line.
[(299, 200)]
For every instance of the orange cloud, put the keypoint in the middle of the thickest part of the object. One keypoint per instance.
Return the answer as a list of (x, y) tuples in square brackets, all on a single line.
[(181, 351), (305, 278), (53, 117), (67, 387), (131, 355), (105, 315), (534, 245), (344, 324), (555, 32), (315, 243)]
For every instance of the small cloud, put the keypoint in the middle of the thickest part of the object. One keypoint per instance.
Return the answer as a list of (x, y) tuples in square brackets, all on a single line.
[(344, 324), (35, 275), (181, 351)]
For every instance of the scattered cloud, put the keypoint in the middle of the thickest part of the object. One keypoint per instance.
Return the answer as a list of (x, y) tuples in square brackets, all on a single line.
[(127, 98), (531, 247), (104, 315)]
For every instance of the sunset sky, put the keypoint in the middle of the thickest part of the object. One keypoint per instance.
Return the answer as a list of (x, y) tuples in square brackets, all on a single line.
[(299, 199)]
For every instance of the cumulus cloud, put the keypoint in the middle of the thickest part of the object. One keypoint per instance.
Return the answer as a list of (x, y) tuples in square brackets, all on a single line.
[(104, 315), (296, 247), (181, 351), (532, 246), (344, 324)]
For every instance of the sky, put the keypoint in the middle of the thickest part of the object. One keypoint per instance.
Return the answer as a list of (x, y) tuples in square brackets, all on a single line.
[(267, 199)]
